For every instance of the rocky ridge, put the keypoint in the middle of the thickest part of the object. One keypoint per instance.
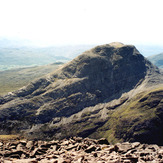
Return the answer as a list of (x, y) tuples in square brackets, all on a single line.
[(93, 95), (78, 150)]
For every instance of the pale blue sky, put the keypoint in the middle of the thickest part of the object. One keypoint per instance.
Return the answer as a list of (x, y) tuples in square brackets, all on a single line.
[(69, 22)]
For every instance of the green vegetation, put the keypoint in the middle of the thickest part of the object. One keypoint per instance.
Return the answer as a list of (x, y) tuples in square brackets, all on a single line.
[(135, 118), (132, 121)]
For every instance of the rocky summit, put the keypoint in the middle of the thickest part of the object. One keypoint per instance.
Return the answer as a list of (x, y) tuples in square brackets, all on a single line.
[(109, 91)]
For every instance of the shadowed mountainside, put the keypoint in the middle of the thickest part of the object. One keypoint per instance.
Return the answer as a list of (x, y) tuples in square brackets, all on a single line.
[(98, 94)]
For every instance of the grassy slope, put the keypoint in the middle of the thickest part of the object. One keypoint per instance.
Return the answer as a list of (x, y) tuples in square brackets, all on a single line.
[(11, 80), (139, 120)]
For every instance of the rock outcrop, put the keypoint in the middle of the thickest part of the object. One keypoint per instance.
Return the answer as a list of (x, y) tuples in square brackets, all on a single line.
[(77, 149), (86, 96)]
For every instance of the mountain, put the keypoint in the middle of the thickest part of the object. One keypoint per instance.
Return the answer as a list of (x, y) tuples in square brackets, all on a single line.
[(109, 91), (157, 60)]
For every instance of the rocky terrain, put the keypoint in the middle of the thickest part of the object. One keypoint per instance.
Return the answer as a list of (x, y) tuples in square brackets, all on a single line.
[(78, 150), (109, 91)]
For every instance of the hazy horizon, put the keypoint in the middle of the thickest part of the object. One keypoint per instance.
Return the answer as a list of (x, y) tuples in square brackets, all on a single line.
[(145, 49)]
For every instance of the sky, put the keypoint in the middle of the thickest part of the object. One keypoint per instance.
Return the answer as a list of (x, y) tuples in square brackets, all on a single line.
[(72, 22)]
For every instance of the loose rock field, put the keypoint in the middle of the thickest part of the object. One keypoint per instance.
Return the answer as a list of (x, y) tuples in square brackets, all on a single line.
[(78, 150)]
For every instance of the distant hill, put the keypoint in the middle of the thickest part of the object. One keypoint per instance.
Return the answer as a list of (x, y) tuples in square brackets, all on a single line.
[(33, 56), (11, 80), (24, 57), (148, 50), (157, 60)]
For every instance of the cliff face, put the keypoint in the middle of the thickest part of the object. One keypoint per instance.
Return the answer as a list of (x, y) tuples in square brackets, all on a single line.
[(98, 76)]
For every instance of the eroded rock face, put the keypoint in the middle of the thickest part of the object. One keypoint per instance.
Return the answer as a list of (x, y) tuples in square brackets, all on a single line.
[(99, 75), (77, 149)]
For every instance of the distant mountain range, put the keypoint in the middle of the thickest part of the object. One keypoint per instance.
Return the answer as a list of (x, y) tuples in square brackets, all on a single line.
[(109, 91), (25, 57), (148, 50), (28, 56), (21, 53)]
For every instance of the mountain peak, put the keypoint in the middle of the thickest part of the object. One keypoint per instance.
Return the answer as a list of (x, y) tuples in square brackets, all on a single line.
[(107, 59)]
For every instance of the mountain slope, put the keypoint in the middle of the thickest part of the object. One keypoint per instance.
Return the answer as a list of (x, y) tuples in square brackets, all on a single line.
[(79, 93), (157, 60)]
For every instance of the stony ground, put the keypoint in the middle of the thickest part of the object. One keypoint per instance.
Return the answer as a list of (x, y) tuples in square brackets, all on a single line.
[(78, 150)]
